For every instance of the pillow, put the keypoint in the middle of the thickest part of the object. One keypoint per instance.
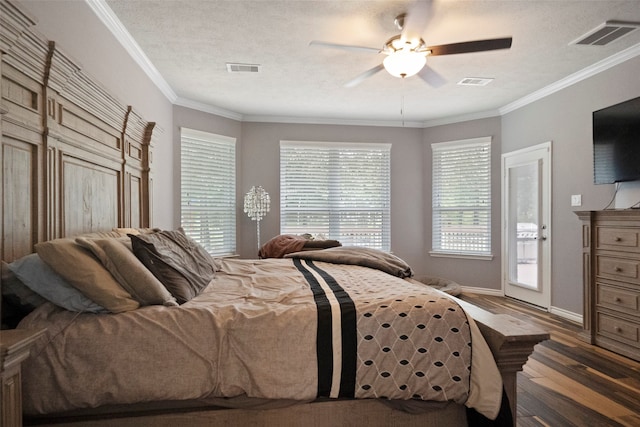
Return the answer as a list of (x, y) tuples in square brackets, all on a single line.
[(101, 235), (41, 279), (18, 300), (183, 266), (84, 272), (130, 273), (127, 230)]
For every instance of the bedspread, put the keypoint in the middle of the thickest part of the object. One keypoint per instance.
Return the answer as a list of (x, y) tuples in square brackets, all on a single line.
[(276, 329)]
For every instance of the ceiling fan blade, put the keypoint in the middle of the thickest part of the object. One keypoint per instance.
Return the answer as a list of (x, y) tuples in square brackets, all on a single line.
[(468, 47), (359, 79), (432, 77), (415, 22), (345, 47)]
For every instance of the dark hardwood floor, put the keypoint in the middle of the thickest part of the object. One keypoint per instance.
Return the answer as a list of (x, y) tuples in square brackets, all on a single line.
[(567, 382)]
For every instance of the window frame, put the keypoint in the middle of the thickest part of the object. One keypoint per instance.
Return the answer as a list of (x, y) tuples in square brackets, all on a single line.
[(486, 209), (336, 212), (221, 207)]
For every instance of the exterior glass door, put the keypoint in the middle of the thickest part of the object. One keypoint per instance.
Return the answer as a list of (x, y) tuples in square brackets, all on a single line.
[(526, 213)]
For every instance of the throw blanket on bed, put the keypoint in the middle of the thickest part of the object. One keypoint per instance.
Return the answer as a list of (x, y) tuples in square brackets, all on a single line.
[(355, 255), (281, 245), (277, 329), (284, 244)]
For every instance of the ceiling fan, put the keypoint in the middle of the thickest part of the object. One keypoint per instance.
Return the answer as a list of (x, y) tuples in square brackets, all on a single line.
[(407, 51)]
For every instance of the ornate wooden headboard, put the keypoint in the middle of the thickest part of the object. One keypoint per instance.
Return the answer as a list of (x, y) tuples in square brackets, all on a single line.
[(73, 158)]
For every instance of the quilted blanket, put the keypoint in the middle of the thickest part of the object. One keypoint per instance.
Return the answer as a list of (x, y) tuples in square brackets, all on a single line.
[(276, 329)]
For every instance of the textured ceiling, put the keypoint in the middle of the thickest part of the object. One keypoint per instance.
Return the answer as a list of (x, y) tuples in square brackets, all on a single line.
[(190, 41)]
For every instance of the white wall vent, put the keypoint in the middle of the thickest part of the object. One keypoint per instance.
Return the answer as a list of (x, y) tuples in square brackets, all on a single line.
[(242, 68), (607, 32), (475, 81)]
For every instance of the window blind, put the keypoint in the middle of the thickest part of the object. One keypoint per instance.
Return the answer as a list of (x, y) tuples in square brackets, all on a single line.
[(208, 190), (461, 203), (340, 190)]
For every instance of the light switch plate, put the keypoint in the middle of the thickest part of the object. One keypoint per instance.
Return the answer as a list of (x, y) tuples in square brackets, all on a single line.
[(576, 200)]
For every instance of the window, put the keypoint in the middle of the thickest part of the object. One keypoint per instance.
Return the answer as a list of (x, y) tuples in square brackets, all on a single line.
[(462, 197), (339, 190), (208, 190)]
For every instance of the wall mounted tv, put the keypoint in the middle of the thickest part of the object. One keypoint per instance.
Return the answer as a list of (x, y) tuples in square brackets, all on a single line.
[(616, 143)]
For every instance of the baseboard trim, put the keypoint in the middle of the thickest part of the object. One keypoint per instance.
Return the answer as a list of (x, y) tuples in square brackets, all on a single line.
[(482, 291), (565, 314), (560, 312)]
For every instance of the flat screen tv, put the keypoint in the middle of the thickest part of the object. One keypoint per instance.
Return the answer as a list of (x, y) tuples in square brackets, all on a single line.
[(616, 143)]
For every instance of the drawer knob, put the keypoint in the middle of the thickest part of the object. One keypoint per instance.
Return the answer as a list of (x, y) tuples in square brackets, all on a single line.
[(618, 269), (617, 299), (617, 329), (618, 239)]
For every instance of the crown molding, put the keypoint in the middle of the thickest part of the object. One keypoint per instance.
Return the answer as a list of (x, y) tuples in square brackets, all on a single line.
[(574, 78), (332, 121), (208, 108), (459, 119), (111, 21)]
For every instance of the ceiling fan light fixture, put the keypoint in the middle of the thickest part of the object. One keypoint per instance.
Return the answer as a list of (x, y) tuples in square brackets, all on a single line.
[(404, 63)]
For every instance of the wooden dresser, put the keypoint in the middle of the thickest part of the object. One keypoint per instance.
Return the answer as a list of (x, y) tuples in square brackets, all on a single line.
[(611, 275)]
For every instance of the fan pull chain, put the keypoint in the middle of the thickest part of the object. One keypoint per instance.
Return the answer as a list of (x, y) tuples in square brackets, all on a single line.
[(402, 103)]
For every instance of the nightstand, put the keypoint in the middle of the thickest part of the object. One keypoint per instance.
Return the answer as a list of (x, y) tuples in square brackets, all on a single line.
[(14, 348)]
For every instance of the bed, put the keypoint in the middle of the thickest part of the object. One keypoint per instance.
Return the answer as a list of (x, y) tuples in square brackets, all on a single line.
[(77, 175), (316, 327), (279, 329)]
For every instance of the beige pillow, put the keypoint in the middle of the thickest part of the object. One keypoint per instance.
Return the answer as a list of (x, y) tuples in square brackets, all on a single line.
[(132, 275), (100, 235), (84, 272), (124, 231)]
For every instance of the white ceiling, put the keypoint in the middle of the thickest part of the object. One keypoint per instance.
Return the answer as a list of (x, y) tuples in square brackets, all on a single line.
[(189, 42)]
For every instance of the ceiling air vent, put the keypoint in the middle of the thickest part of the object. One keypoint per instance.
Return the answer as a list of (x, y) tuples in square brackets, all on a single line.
[(605, 33), (475, 81), (243, 68)]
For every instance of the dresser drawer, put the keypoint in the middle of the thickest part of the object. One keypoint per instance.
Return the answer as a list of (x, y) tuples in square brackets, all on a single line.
[(618, 239), (613, 297), (618, 329), (622, 269)]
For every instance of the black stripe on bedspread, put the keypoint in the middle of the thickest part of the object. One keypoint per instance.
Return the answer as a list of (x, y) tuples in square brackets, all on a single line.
[(327, 344), (349, 334)]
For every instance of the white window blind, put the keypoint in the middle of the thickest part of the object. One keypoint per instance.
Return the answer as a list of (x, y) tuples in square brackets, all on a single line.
[(340, 190), (208, 189), (461, 202)]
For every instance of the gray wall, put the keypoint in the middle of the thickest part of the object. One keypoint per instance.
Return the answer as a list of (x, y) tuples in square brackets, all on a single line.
[(79, 33), (565, 119)]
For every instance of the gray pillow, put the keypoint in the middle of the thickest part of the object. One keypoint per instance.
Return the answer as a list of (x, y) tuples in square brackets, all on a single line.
[(41, 279), (18, 300), (183, 266), (18, 292)]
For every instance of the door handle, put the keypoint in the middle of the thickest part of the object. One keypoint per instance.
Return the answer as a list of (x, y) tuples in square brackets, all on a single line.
[(543, 227)]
